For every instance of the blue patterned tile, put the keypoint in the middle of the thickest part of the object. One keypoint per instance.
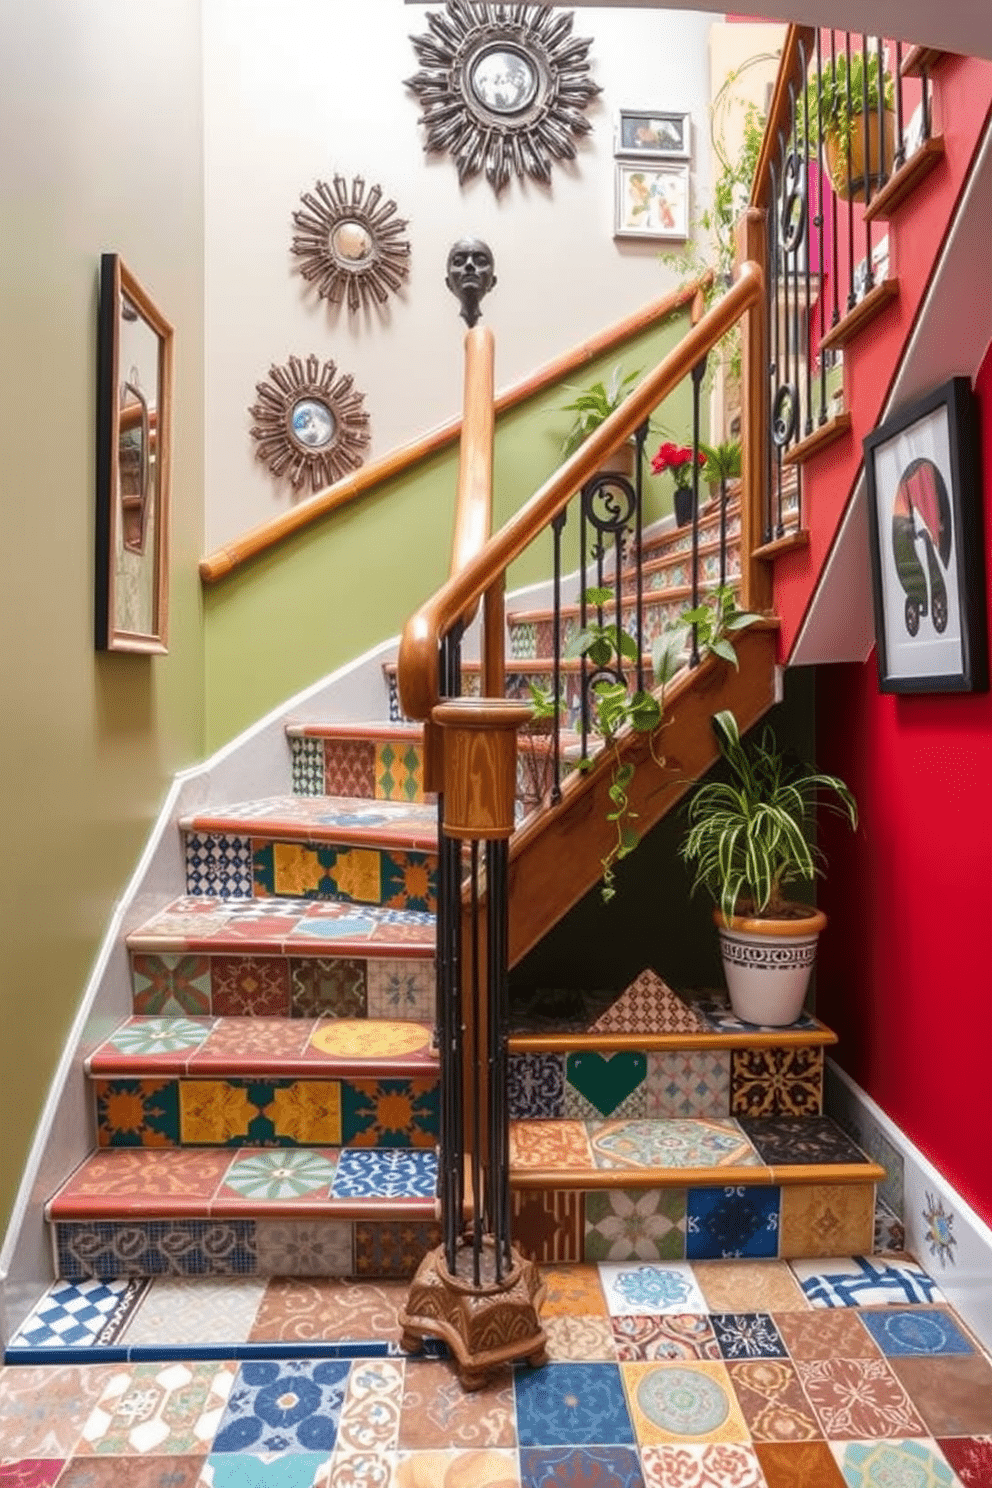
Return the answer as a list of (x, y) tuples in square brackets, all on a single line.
[(567, 1467), (385, 1174), (572, 1405), (536, 1086), (269, 1470), (725, 1222), (902, 1331), (168, 1247), (876, 1464), (218, 865), (284, 1406), (308, 766), (650, 1290), (717, 1012), (864, 1281), (80, 1313), (747, 1335)]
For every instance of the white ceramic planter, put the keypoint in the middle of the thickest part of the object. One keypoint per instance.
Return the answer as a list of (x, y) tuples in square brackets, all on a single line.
[(767, 965)]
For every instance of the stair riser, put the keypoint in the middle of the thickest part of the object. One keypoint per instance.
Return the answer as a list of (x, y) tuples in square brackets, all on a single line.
[(225, 865), (365, 768), (678, 575), (760, 1221), (533, 639), (260, 1112), (191, 984), (589, 1086)]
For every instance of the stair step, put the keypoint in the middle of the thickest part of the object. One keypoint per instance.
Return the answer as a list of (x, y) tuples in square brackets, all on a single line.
[(326, 847), (373, 761)]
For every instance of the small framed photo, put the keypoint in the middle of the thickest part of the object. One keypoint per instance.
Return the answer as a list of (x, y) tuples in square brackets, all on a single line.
[(649, 133), (923, 470), (652, 201)]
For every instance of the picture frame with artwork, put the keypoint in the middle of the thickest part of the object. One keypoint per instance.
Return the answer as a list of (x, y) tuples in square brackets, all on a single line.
[(652, 200), (653, 134), (926, 535)]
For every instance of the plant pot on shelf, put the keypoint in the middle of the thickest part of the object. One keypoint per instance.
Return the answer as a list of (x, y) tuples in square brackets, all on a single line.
[(767, 964), (682, 497), (620, 461), (879, 165)]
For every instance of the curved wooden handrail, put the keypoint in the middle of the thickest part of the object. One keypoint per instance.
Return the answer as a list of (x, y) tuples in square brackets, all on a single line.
[(240, 550), (418, 657), (780, 109), (474, 501)]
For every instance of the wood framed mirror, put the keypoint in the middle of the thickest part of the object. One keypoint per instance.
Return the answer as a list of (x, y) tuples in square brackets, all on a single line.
[(134, 426)]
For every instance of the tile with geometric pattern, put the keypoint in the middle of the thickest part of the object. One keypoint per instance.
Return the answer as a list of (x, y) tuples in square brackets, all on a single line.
[(776, 1082)]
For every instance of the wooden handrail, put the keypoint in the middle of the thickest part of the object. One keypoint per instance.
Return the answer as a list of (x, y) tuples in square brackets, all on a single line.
[(418, 656), (240, 550), (474, 502), (780, 109)]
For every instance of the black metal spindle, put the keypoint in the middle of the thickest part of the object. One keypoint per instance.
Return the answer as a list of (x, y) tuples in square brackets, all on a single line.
[(477, 1195), (557, 527), (926, 111), (583, 664), (786, 357), (497, 924), (883, 171), (820, 238), (773, 310), (448, 994), (698, 373), (900, 158), (835, 244), (866, 130), (852, 298), (640, 437)]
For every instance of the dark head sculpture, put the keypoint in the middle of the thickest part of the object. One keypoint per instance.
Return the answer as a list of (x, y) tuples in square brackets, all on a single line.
[(471, 274)]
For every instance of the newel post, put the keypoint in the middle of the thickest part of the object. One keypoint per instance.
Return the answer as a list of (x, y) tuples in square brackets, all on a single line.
[(475, 1291)]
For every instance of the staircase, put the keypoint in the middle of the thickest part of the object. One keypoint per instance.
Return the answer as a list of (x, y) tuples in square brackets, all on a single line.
[(271, 1107)]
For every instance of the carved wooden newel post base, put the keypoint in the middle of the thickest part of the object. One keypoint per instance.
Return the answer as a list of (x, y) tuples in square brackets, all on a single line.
[(486, 1327)]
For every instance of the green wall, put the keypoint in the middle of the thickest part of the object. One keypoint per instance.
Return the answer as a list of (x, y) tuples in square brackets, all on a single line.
[(98, 153), (320, 598)]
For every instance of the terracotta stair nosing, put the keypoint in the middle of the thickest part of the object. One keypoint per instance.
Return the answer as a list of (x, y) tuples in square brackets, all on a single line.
[(410, 732), (760, 1175), (341, 948), (564, 1043)]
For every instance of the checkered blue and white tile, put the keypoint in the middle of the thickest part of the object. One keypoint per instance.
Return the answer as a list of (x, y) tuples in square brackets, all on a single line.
[(308, 766), (76, 1314), (218, 865)]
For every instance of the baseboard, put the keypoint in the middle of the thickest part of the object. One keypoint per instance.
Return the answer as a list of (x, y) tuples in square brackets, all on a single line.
[(943, 1232)]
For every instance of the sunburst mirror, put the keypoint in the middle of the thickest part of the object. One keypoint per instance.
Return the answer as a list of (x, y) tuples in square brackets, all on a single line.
[(309, 423), (503, 88), (351, 242)]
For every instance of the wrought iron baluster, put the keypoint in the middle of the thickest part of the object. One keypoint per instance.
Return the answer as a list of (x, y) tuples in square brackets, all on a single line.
[(476, 1161), (852, 298), (557, 528), (640, 437), (866, 129), (785, 408), (834, 210), (583, 664), (774, 463), (609, 502), (900, 156), (925, 101), (497, 925), (449, 995), (698, 373), (820, 223)]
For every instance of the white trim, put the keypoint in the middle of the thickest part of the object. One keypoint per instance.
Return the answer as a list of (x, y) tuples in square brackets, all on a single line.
[(962, 1270)]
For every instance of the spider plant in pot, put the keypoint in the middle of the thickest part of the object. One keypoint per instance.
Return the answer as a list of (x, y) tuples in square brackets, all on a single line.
[(750, 840), (592, 406)]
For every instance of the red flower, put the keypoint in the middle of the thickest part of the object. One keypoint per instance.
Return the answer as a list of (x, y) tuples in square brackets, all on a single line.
[(674, 457)]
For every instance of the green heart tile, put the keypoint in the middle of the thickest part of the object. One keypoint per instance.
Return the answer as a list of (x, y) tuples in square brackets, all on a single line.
[(606, 1080)]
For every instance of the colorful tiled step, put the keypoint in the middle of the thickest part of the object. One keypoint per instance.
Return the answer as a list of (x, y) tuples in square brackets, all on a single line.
[(315, 847), (373, 761), (243, 1082)]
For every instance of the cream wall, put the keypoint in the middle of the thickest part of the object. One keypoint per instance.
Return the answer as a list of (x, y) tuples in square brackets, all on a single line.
[(300, 90), (100, 150)]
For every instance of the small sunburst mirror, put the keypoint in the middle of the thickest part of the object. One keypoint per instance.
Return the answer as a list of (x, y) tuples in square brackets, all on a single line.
[(503, 88), (310, 423), (351, 243)]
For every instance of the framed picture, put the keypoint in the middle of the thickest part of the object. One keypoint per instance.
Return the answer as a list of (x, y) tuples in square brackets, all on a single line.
[(648, 132), (923, 470), (134, 429), (652, 201)]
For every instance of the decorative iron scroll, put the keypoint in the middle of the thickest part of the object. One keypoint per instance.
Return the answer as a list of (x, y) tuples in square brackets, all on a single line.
[(309, 422), (503, 88)]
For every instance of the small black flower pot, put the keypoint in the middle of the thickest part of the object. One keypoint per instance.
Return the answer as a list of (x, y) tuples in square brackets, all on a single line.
[(683, 505)]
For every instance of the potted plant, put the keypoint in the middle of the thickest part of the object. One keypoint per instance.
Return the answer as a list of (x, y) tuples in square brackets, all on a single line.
[(836, 100), (750, 840), (678, 458), (592, 406)]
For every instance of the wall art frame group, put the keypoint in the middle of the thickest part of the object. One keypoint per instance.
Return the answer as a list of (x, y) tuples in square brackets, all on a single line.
[(133, 465), (652, 150), (927, 544)]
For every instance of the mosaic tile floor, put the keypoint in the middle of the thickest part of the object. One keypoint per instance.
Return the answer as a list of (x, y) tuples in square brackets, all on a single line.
[(847, 1373), (285, 926)]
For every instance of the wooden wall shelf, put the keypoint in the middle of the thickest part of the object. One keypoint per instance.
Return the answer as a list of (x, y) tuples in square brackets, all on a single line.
[(883, 207), (854, 322)]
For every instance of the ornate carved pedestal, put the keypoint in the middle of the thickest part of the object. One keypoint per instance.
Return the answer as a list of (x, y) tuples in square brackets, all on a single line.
[(485, 1327)]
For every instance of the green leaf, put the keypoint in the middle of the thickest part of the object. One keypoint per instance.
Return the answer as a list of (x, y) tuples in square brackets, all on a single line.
[(624, 776), (600, 652), (598, 597), (628, 646), (725, 651)]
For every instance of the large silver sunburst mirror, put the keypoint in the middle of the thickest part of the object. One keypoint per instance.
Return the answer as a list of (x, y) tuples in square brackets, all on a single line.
[(504, 88), (309, 422)]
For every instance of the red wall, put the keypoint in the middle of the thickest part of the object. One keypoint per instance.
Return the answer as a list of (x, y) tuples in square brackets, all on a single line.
[(905, 973)]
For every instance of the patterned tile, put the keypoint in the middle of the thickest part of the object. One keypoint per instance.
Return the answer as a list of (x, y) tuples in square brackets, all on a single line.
[(718, 1017), (444, 1469), (194, 1312), (890, 1232), (580, 1338), (119, 1180), (863, 1281), (43, 1409), (249, 1112), (598, 1085), (390, 1113), (166, 1409), (137, 1113), (250, 986), (349, 767), (772, 1400), (955, 1400), (826, 1219), (42, 1472), (800, 1139), (858, 1397), (171, 984), (747, 1335), (327, 988), (399, 771), (970, 1457), (650, 1290), (370, 1416), (393, 1248), (834, 1334), (409, 881), (299, 1309), (176, 1247), (436, 1410), (548, 1224), (648, 1006), (572, 1291), (549, 1144), (567, 1467), (746, 1286), (401, 989), (776, 1082), (536, 1086), (688, 1084), (674, 1402), (697, 1143), (876, 1464), (679, 1335), (245, 1044), (140, 1036), (635, 1224), (280, 1176), (218, 865), (77, 1314), (732, 1222), (916, 1330), (718, 1465), (385, 1174), (307, 766), (284, 1406), (266, 1470), (303, 1247), (572, 1405)]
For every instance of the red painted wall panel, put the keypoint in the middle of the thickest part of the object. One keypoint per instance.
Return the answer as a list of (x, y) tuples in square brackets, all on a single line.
[(905, 971)]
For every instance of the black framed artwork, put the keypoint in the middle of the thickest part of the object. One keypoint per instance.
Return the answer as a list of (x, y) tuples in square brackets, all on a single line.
[(927, 538)]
